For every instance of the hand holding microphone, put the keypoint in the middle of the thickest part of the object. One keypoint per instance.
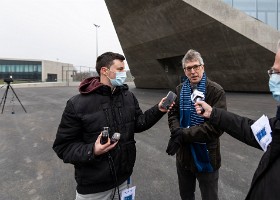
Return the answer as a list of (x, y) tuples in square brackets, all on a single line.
[(203, 109), (197, 96), (103, 144)]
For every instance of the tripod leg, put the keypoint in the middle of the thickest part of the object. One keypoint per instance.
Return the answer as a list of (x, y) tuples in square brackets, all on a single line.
[(18, 99), (4, 97)]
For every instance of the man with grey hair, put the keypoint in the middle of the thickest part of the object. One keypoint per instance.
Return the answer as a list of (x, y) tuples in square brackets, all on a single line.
[(266, 180), (194, 140)]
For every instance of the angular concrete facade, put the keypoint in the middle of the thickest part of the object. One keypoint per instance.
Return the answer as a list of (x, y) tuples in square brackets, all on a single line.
[(155, 34)]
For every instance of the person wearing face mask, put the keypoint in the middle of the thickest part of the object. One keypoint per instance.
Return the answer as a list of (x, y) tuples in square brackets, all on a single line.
[(103, 168), (266, 179)]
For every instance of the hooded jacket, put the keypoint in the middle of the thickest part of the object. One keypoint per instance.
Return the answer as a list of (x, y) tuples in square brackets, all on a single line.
[(83, 119), (206, 133)]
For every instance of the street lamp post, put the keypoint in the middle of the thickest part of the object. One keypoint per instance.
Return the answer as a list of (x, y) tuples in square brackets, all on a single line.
[(96, 27)]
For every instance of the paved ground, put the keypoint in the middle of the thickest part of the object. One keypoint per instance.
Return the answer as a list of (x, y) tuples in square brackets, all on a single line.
[(30, 170)]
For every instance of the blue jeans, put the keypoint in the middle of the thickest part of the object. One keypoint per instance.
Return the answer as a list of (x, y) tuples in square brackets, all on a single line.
[(208, 183)]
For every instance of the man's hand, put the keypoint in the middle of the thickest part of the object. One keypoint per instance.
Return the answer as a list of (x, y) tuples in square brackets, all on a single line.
[(175, 141), (101, 149), (200, 106), (163, 109)]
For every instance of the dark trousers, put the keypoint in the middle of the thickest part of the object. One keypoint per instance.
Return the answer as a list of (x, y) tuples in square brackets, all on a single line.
[(208, 183)]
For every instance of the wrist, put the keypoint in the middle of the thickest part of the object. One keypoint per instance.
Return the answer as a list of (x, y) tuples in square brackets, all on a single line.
[(208, 112)]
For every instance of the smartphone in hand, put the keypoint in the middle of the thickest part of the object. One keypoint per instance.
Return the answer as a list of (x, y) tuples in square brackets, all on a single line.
[(171, 96)]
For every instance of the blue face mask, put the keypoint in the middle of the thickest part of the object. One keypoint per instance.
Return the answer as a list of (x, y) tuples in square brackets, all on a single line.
[(274, 86), (119, 80)]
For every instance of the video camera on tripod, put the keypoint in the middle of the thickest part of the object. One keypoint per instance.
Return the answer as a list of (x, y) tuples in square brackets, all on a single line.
[(8, 81)]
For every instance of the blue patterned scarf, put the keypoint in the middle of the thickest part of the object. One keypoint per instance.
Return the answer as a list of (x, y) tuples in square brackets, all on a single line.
[(188, 118)]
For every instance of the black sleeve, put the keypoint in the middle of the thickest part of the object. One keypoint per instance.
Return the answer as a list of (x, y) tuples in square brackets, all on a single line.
[(146, 120), (68, 144), (235, 125)]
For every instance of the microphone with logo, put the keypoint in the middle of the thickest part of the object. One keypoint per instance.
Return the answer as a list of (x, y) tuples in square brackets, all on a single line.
[(115, 137), (197, 96)]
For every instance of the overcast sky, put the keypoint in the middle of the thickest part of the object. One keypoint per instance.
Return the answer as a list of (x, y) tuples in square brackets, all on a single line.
[(54, 30)]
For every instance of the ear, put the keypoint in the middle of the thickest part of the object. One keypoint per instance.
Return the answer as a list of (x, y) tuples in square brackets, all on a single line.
[(104, 70)]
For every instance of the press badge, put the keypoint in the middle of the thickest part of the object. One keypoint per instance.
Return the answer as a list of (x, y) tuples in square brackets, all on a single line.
[(128, 194), (262, 132)]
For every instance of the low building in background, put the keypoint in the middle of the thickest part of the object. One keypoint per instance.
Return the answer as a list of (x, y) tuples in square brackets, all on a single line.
[(31, 70), (36, 70)]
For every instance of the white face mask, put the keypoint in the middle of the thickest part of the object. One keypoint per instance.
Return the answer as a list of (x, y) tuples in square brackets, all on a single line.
[(274, 86), (119, 80)]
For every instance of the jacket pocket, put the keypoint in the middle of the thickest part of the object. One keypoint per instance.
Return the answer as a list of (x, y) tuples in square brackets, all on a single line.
[(214, 154), (128, 157), (94, 173)]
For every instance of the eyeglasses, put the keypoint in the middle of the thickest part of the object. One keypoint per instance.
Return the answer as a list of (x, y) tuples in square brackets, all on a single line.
[(194, 67), (271, 71)]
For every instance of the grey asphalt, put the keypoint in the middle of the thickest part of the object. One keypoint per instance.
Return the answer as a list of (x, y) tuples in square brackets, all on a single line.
[(30, 170)]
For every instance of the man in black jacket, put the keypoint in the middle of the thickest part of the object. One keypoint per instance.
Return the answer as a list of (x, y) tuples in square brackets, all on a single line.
[(103, 101), (195, 140), (266, 180)]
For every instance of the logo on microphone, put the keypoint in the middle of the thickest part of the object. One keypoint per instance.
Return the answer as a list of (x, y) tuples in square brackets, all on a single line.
[(197, 95)]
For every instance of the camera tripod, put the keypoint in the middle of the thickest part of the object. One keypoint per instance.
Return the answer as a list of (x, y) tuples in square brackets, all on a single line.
[(5, 97)]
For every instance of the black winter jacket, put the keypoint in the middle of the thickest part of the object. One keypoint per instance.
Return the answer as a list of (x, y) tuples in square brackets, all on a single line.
[(266, 180), (215, 96), (82, 121)]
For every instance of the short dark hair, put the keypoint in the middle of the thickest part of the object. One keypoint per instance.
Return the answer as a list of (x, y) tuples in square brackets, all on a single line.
[(106, 60)]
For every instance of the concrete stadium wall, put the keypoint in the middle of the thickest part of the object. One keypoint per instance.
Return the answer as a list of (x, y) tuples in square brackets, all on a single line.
[(154, 35)]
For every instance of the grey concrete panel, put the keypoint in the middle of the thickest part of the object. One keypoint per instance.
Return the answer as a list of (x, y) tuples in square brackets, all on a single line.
[(237, 49)]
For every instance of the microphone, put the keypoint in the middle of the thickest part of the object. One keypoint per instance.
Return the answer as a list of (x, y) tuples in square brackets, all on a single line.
[(105, 135), (115, 137), (197, 96)]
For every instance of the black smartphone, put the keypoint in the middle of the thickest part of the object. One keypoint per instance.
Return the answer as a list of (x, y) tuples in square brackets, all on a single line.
[(171, 96)]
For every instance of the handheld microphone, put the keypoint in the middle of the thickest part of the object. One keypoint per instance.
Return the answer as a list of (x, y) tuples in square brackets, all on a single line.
[(115, 138), (105, 135), (197, 96)]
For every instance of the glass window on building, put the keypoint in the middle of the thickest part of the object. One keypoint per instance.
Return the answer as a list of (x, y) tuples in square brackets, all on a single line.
[(30, 68), (17, 68), (21, 68), (11, 68), (269, 7), (25, 68), (272, 19), (266, 11), (2, 68)]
